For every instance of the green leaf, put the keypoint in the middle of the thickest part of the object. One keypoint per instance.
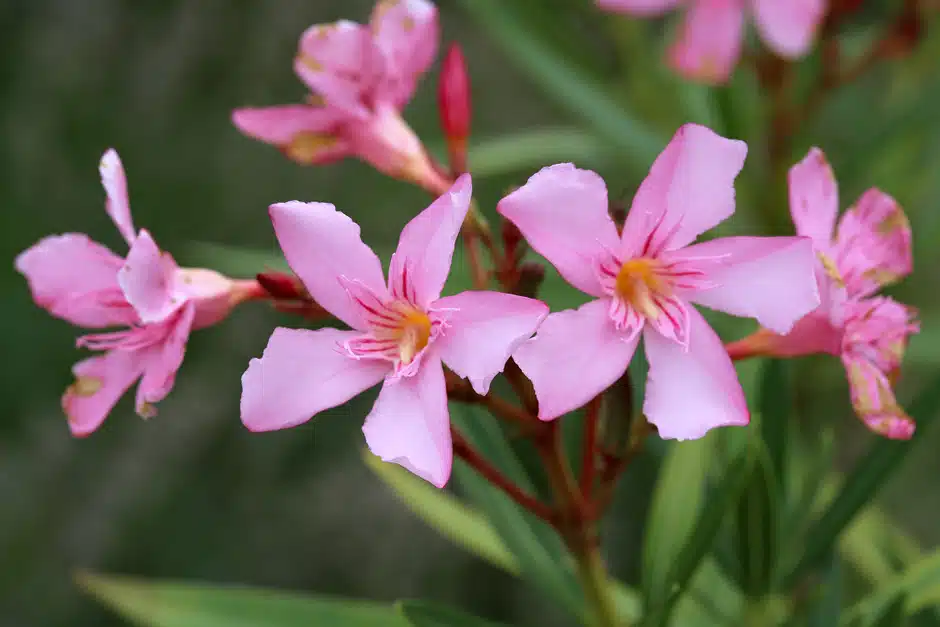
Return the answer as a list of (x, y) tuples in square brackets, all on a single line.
[(426, 614), (826, 604), (171, 604), (918, 586), (891, 616), (720, 500), (457, 522), (542, 557), (531, 150), (672, 517), (863, 483), (234, 261), (776, 414), (565, 83)]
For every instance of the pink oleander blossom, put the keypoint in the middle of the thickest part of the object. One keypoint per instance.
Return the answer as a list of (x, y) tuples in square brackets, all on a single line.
[(645, 279), (870, 248), (401, 332), (361, 78), (712, 31), (86, 284)]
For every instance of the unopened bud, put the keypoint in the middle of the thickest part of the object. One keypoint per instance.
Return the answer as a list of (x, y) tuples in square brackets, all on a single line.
[(905, 35), (513, 243), (453, 99), (282, 286), (531, 275)]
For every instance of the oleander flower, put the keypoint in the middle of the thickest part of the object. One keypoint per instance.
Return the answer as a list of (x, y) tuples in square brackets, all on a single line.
[(645, 279), (83, 282), (401, 332)]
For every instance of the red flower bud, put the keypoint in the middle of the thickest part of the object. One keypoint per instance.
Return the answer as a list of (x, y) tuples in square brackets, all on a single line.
[(282, 286), (453, 99)]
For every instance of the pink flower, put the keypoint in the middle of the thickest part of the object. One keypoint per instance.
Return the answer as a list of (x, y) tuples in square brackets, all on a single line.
[(361, 78), (86, 284), (871, 248), (712, 32), (645, 278), (401, 332)]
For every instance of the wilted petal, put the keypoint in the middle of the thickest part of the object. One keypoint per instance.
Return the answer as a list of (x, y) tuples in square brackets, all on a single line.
[(710, 39), (115, 186), (147, 279), (874, 400), (164, 360), (300, 374), (576, 355), (691, 391), (873, 244), (789, 27), (75, 279), (562, 211), (771, 279), (406, 33), (338, 62), (306, 134), (639, 7), (421, 263), (482, 331), (689, 190), (410, 426), (814, 198), (321, 245), (99, 382)]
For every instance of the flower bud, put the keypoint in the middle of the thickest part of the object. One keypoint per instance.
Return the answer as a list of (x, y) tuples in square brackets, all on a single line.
[(453, 98)]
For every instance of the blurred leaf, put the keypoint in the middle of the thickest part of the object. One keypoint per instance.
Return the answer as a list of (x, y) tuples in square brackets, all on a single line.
[(776, 412), (542, 557), (863, 483), (876, 546), (426, 614), (566, 84), (531, 150), (459, 523), (672, 519), (892, 615), (826, 605), (233, 260), (163, 604), (720, 500), (919, 585)]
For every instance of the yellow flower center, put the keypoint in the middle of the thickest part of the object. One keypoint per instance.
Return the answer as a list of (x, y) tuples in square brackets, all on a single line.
[(413, 334), (637, 283)]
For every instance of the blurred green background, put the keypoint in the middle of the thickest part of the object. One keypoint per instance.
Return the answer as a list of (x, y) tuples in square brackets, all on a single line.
[(191, 494)]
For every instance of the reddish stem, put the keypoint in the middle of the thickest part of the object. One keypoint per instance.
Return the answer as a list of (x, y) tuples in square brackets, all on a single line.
[(589, 454), (466, 452)]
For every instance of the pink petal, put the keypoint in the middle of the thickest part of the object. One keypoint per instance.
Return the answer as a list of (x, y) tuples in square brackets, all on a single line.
[(147, 280), (874, 401), (562, 211), (771, 279), (75, 279), (99, 382), (814, 198), (710, 38), (789, 27), (321, 245), (338, 62), (689, 190), (639, 7), (387, 143), (307, 134), (422, 260), (576, 355), (115, 186), (690, 391), (482, 331), (406, 33), (410, 426), (163, 361), (873, 244), (300, 374)]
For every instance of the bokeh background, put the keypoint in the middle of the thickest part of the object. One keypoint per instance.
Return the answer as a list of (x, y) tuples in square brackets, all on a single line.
[(191, 494)]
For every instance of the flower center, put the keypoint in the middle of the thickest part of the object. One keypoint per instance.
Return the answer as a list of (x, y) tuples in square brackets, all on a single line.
[(638, 282), (412, 334)]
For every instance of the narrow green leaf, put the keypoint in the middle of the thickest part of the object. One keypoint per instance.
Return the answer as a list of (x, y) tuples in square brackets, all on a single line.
[(566, 84), (233, 260), (756, 530), (426, 614), (863, 483), (919, 585), (543, 558), (776, 414), (826, 604), (457, 522), (891, 616), (172, 604), (720, 500), (677, 500), (531, 150)]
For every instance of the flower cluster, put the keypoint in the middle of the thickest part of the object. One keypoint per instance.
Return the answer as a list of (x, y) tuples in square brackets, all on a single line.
[(811, 293)]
